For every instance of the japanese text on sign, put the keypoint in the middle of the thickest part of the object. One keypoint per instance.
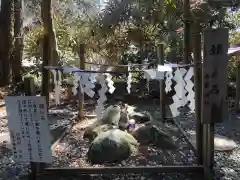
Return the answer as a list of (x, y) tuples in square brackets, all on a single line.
[(214, 75), (29, 128), (216, 50)]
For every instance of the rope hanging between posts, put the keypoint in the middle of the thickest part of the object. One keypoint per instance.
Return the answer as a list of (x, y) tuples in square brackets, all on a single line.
[(182, 77), (122, 65)]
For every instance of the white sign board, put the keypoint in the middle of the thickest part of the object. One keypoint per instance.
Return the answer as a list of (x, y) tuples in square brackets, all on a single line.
[(214, 74), (29, 128)]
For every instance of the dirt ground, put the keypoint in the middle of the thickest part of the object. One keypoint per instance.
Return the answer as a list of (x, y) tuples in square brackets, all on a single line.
[(71, 150)]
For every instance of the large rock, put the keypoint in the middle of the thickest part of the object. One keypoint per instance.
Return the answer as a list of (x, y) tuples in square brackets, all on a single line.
[(150, 134), (142, 117), (111, 115), (92, 133), (111, 146)]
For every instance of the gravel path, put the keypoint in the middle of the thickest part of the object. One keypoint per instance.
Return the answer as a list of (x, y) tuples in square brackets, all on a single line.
[(227, 164)]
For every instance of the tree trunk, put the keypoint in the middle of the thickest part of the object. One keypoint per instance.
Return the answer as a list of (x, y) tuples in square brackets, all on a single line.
[(18, 41), (186, 14), (5, 41), (47, 17), (173, 50)]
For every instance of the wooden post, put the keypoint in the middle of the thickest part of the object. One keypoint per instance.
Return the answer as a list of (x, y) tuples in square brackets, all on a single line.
[(160, 54), (45, 72), (29, 86), (69, 92), (198, 91), (186, 14), (45, 75), (208, 150), (214, 90), (29, 89), (81, 94)]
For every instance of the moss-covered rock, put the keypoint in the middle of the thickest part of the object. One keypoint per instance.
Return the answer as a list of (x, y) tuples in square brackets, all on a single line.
[(111, 146), (92, 133), (150, 134), (111, 115)]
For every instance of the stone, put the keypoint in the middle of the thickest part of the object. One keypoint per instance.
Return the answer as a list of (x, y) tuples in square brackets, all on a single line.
[(91, 134), (123, 122), (5, 140), (150, 134), (222, 143), (111, 147), (142, 117), (110, 120), (111, 115)]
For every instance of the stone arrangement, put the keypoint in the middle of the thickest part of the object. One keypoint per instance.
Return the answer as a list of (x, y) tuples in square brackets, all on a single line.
[(119, 133)]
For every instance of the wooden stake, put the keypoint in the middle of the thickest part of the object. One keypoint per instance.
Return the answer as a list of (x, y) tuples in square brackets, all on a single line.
[(30, 90), (81, 94), (208, 146), (160, 54), (198, 91), (29, 86), (186, 14)]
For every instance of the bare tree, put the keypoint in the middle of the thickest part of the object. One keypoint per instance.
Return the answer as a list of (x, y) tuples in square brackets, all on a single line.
[(47, 18), (5, 43), (18, 41)]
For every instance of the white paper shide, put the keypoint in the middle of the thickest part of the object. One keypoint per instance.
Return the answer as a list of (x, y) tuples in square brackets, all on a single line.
[(179, 98), (83, 81), (189, 87), (102, 96), (168, 81), (184, 93), (29, 128), (110, 82), (129, 79), (57, 80)]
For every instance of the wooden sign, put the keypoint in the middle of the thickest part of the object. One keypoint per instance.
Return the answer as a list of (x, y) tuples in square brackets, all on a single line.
[(29, 128), (214, 77)]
